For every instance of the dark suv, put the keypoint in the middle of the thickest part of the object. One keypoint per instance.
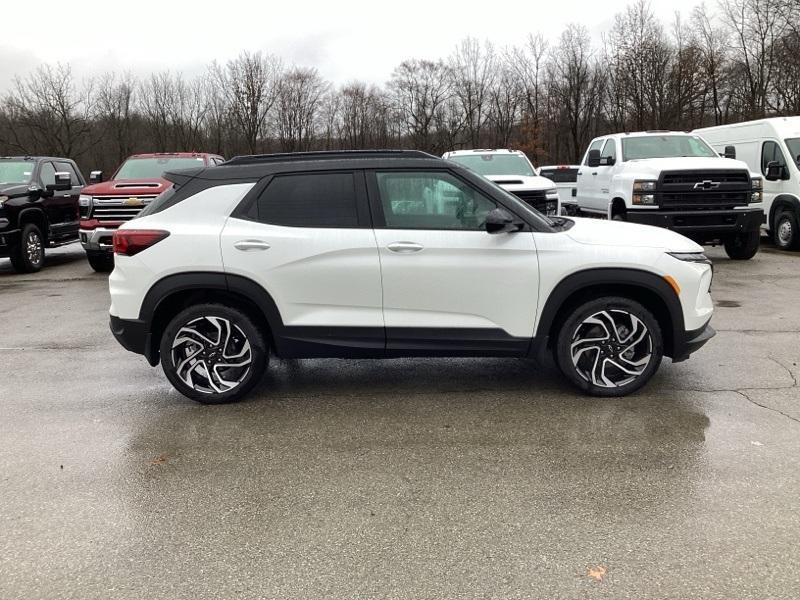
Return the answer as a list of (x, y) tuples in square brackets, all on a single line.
[(38, 207)]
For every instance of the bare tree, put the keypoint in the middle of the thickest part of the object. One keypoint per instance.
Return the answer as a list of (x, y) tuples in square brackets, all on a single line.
[(473, 71), (299, 95)]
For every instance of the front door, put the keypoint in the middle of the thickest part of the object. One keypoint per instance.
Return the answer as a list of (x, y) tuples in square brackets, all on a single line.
[(448, 285)]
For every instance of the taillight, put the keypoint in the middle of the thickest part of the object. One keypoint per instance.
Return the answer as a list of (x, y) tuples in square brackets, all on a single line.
[(133, 241)]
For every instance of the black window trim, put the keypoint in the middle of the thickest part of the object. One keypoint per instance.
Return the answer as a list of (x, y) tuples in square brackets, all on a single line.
[(362, 205), (778, 146)]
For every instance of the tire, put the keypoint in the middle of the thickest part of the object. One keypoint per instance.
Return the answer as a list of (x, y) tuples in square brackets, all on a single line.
[(785, 232), (606, 325), (101, 262), (204, 333), (28, 255), (620, 216), (743, 246)]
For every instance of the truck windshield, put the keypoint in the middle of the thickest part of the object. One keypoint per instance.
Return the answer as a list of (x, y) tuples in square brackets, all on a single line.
[(794, 149), (665, 146), (154, 166), (15, 171), (495, 164)]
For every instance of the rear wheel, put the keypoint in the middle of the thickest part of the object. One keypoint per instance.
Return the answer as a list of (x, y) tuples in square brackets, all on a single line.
[(609, 346), (743, 246), (785, 232), (102, 262), (212, 353), (28, 255)]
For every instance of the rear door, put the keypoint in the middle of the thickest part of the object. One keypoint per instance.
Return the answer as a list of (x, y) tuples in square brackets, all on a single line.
[(448, 285), (307, 239)]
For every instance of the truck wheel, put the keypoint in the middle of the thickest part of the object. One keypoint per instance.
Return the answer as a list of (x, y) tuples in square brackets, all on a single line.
[(101, 262), (609, 346), (213, 354), (785, 232), (28, 255), (743, 246)]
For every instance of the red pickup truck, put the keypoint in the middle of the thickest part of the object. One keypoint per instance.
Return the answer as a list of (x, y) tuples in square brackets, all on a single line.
[(105, 205)]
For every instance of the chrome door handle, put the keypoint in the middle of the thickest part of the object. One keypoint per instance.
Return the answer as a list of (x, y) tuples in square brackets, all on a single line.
[(595, 173), (405, 247), (251, 245)]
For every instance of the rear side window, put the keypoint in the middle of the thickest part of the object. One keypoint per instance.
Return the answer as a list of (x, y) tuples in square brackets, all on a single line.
[(310, 200)]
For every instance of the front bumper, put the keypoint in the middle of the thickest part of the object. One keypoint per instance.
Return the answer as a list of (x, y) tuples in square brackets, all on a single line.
[(701, 224), (134, 336), (8, 239), (691, 342), (97, 240)]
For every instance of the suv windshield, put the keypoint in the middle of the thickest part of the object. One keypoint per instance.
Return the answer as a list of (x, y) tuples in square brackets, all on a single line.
[(665, 146), (154, 166), (794, 149), (15, 171), (495, 164)]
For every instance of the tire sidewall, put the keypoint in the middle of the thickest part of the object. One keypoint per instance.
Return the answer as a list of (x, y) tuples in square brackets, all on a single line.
[(19, 256), (793, 242), (258, 349), (578, 315), (747, 249)]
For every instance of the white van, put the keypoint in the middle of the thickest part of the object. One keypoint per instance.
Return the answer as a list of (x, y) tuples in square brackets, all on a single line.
[(771, 147)]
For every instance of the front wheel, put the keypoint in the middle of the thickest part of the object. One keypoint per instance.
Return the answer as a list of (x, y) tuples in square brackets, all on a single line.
[(609, 346), (213, 353), (28, 255), (743, 246), (785, 232)]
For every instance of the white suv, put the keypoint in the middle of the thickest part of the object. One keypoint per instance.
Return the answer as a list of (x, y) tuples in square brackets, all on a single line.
[(385, 254), (512, 171)]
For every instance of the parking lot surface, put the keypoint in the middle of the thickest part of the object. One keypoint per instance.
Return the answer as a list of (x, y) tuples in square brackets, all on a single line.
[(415, 478)]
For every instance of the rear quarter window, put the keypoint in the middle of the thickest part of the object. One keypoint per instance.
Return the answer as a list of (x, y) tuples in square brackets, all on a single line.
[(310, 200)]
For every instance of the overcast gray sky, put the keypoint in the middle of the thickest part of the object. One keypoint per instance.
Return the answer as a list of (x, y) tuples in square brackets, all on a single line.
[(343, 39)]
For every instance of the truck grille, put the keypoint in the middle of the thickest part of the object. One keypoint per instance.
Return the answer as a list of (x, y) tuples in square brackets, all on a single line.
[(538, 200), (117, 208), (687, 190)]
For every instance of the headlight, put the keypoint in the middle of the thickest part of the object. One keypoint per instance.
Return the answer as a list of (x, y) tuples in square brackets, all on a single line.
[(84, 200), (3, 200), (644, 199), (551, 193), (756, 197), (697, 257), (758, 183), (644, 185)]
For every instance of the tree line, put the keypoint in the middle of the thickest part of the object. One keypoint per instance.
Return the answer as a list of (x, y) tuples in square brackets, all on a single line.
[(737, 62)]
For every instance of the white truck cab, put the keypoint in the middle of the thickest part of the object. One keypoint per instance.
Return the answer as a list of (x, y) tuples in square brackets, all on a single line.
[(676, 180), (512, 171), (770, 147)]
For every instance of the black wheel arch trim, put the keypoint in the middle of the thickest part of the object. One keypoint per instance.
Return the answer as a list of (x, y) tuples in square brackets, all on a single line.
[(575, 283), (783, 200)]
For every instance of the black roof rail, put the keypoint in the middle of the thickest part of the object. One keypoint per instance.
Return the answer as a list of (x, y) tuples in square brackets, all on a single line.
[(254, 159)]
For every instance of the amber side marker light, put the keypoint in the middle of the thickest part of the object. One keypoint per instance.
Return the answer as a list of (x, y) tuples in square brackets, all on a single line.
[(673, 284)]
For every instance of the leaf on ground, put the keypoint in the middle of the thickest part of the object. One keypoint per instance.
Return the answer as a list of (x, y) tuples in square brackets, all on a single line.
[(159, 460), (597, 573)]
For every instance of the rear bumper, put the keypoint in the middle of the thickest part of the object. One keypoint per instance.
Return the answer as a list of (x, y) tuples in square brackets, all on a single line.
[(691, 342), (97, 240), (134, 336), (701, 224)]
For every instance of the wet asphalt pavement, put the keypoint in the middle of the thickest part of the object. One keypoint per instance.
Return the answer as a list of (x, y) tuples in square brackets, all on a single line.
[(397, 479)]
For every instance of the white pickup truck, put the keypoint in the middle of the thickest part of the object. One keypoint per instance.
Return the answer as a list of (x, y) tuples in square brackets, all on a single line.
[(673, 180)]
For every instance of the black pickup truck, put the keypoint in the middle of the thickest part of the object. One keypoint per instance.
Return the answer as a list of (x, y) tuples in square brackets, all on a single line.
[(38, 207)]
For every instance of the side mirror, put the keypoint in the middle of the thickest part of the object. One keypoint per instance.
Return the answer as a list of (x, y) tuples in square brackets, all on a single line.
[(63, 182), (35, 192), (95, 177), (593, 160), (730, 152), (500, 220), (775, 171)]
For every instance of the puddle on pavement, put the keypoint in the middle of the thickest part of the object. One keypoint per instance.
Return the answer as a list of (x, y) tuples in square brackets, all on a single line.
[(727, 304)]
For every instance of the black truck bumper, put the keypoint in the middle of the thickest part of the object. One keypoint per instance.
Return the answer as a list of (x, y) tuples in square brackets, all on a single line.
[(8, 239), (134, 336), (691, 342), (701, 225)]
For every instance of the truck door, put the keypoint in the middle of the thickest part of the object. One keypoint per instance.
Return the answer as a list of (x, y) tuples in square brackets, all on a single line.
[(771, 151), (608, 158), (587, 180)]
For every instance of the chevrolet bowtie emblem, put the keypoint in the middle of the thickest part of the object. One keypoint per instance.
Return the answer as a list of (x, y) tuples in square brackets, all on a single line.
[(133, 202), (706, 184)]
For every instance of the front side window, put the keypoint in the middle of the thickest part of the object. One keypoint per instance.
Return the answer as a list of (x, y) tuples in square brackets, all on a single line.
[(431, 200), (309, 200), (155, 166), (15, 171), (596, 145), (66, 167), (609, 154), (665, 146), (793, 145), (47, 174), (771, 152), (496, 164)]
